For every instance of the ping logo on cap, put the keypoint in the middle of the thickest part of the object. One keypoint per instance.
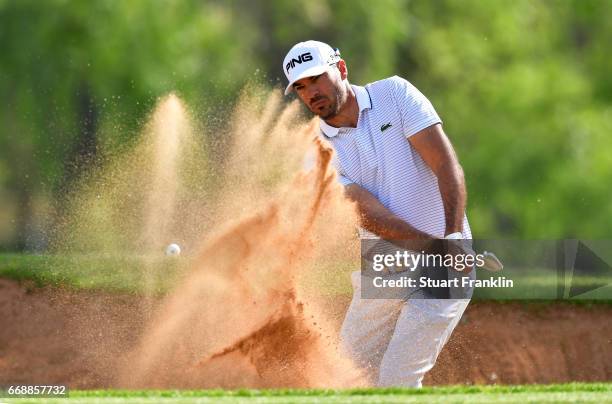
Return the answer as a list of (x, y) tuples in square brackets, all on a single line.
[(304, 57)]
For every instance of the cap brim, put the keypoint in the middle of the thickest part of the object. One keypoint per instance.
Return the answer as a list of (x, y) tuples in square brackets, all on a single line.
[(313, 71)]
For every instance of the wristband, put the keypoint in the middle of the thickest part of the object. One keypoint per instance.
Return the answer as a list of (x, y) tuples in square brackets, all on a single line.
[(454, 236)]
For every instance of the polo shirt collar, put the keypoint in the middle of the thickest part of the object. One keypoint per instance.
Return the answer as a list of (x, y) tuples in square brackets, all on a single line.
[(363, 102)]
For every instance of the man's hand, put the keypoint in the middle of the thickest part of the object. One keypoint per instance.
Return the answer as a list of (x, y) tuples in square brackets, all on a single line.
[(461, 248)]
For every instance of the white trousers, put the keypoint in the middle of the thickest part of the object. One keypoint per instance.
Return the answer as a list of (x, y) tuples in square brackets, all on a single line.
[(397, 341)]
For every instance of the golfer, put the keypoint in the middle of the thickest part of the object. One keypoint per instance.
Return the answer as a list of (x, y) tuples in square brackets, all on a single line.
[(399, 167)]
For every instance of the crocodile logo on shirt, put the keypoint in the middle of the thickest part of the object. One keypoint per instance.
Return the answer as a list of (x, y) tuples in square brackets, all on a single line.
[(385, 127)]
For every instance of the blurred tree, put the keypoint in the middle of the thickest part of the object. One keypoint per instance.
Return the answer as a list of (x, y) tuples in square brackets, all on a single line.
[(514, 98), (523, 87), (77, 76)]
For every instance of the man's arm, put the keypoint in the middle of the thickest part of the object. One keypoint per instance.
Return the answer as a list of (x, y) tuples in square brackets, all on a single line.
[(436, 150), (376, 218)]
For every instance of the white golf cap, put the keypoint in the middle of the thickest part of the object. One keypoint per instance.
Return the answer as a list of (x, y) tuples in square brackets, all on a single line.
[(307, 59)]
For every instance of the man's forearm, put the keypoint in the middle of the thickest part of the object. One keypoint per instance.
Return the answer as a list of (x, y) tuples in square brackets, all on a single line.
[(375, 217), (454, 196), (390, 227), (438, 153)]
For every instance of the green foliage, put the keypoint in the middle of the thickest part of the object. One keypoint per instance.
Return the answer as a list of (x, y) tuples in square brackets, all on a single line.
[(524, 88), (557, 393)]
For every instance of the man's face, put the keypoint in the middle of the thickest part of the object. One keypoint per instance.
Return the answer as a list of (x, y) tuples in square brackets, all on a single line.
[(322, 94)]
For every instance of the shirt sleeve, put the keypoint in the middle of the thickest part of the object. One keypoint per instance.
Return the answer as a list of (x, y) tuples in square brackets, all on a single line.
[(416, 111), (344, 180)]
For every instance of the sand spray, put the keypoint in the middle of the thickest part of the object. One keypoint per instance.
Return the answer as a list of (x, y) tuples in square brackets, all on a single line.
[(260, 234)]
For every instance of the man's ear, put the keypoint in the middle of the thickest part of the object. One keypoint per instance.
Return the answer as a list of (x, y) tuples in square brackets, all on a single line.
[(343, 69)]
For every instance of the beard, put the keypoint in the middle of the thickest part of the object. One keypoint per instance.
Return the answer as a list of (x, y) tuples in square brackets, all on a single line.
[(329, 110), (325, 110)]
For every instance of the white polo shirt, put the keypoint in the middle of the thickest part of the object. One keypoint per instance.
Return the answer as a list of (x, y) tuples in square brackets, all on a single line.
[(377, 155)]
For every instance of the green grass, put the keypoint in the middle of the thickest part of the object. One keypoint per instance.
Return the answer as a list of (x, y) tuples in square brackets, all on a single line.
[(558, 393), (135, 274), (128, 274)]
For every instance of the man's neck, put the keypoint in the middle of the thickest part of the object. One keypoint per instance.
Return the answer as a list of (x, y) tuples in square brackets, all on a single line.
[(348, 114)]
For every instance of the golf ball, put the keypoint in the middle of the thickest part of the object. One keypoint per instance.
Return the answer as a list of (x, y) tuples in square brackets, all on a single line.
[(173, 250)]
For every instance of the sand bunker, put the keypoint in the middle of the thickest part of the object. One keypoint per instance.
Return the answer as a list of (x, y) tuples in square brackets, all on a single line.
[(254, 225)]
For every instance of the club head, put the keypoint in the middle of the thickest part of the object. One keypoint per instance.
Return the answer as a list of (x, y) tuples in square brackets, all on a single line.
[(491, 262)]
